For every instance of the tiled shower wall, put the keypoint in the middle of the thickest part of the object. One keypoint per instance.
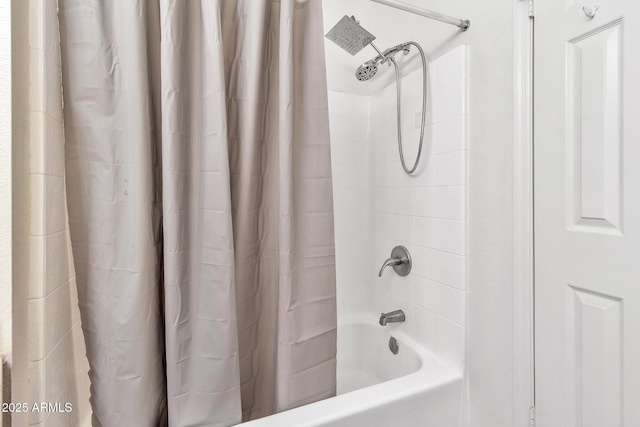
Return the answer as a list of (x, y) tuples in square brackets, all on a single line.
[(379, 206), (348, 117)]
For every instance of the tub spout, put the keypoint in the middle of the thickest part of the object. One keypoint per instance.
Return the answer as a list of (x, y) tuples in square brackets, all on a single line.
[(396, 316)]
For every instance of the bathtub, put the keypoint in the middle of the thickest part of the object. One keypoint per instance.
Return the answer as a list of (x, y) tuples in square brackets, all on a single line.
[(376, 388)]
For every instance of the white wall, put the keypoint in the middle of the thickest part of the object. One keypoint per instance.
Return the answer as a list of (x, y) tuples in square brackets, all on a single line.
[(5, 178), (5, 183), (490, 262)]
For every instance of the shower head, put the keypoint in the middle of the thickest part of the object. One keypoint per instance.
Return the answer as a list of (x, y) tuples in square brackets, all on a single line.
[(349, 35), (367, 70)]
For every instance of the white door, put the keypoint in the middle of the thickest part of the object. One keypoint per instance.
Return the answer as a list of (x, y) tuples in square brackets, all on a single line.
[(587, 213)]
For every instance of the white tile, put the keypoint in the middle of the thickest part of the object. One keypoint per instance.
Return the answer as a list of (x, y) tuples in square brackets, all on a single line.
[(451, 169), (36, 329), (405, 229), (452, 67), (432, 76), (59, 368), (451, 270), (424, 262), (347, 105), (397, 285), (351, 296), (345, 200), (405, 201), (348, 224), (36, 389), (36, 142), (345, 176), (347, 129), (426, 201), (392, 173), (425, 232), (36, 24), (450, 236), (383, 200), (347, 246), (450, 304), (408, 129), (376, 126), (387, 96), (56, 261), (54, 145), (451, 203), (37, 272), (347, 153), (349, 270), (384, 226), (428, 143), (449, 102), (425, 326), (384, 124), (426, 174), (424, 291), (408, 85), (450, 338), (37, 212), (55, 216), (450, 135), (402, 179), (57, 316), (416, 121), (390, 148), (376, 152), (36, 80), (53, 97)]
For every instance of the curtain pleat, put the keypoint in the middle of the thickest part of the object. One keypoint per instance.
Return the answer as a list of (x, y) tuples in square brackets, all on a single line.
[(202, 352), (114, 214), (199, 192)]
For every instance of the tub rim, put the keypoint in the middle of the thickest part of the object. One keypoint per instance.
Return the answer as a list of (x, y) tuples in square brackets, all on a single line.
[(334, 408)]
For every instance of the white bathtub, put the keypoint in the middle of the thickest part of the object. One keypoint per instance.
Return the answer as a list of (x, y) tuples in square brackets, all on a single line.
[(379, 389)]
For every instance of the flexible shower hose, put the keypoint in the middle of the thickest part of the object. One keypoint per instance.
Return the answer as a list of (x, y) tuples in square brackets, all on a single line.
[(399, 108)]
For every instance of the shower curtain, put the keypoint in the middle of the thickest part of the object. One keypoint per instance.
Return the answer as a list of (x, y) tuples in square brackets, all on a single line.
[(200, 206)]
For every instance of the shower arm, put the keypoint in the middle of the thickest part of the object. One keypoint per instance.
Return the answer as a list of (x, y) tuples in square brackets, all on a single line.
[(463, 24), (381, 56), (387, 56)]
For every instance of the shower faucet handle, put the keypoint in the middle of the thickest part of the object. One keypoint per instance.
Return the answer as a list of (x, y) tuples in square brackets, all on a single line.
[(400, 261)]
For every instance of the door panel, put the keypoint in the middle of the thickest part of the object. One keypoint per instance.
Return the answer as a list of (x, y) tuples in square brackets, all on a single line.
[(587, 213)]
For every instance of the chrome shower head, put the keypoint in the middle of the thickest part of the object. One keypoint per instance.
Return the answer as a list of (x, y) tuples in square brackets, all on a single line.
[(349, 35), (367, 71)]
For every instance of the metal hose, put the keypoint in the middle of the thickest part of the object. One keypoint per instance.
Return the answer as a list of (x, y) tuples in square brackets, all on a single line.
[(399, 108)]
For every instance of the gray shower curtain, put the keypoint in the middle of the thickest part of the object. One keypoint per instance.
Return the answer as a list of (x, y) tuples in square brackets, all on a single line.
[(200, 206)]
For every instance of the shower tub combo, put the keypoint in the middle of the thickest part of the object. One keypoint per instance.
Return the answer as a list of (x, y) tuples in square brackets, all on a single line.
[(384, 377), (377, 388)]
